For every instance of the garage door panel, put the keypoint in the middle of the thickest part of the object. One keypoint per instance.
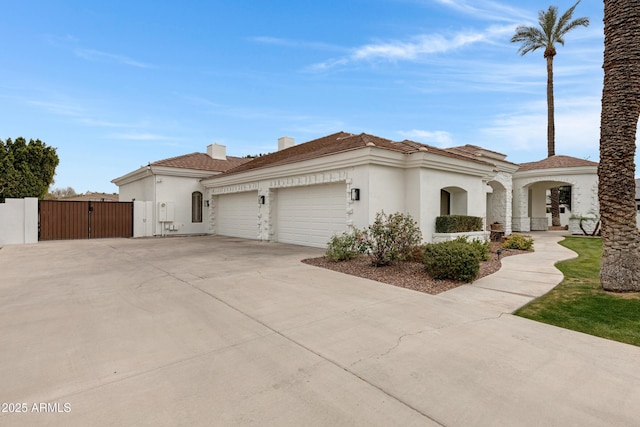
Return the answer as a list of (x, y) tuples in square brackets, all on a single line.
[(311, 215), (237, 215)]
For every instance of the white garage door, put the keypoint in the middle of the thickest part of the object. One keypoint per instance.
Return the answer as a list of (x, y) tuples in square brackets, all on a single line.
[(237, 215), (310, 215)]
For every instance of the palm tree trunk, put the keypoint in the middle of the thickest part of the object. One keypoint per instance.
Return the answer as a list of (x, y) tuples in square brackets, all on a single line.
[(551, 136), (555, 207), (551, 122), (620, 270)]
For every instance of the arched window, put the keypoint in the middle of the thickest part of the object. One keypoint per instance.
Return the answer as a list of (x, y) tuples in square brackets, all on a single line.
[(196, 206)]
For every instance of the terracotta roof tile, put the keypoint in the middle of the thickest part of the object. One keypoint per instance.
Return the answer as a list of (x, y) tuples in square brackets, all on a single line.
[(336, 143), (555, 162), (201, 161), (447, 152), (480, 153)]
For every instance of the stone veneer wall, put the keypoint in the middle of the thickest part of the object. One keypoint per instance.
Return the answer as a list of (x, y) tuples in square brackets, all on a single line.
[(500, 201)]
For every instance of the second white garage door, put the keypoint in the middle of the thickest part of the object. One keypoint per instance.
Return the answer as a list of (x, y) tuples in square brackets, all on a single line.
[(310, 215), (237, 215)]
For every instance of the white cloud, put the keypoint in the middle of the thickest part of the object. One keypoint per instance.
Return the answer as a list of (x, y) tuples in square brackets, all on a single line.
[(438, 138), (487, 9), (96, 55), (417, 47), (71, 43), (276, 41), (62, 109), (577, 123)]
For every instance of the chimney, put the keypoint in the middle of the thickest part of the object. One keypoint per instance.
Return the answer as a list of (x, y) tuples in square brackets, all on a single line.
[(217, 151), (285, 142)]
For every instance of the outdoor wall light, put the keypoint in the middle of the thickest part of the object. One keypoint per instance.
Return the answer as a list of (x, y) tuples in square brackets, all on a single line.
[(261, 200), (355, 194)]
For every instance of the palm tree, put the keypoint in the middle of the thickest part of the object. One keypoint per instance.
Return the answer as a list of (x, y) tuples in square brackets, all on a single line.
[(620, 270), (551, 30)]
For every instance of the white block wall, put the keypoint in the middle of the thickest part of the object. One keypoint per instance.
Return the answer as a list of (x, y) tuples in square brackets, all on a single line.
[(19, 221)]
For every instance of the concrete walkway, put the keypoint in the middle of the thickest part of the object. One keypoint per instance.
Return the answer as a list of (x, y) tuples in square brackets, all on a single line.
[(521, 279), (226, 332)]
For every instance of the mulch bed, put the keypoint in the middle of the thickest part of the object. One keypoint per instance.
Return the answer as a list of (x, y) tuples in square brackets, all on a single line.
[(410, 275)]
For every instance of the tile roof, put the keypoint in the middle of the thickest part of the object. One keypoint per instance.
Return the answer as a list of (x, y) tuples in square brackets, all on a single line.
[(555, 162), (447, 152), (201, 161), (336, 143), (482, 153)]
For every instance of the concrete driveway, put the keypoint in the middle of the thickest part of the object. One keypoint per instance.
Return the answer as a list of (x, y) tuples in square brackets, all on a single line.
[(220, 331)]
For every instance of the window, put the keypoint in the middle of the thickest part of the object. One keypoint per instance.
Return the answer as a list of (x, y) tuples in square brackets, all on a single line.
[(562, 209), (196, 206)]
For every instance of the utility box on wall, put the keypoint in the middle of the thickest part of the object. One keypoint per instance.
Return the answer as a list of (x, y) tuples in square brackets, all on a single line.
[(166, 211)]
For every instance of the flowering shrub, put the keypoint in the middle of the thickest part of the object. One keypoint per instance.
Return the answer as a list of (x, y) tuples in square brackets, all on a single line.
[(391, 237), (346, 246)]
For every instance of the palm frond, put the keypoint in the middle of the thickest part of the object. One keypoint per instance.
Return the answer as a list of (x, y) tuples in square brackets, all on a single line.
[(530, 37), (551, 29), (547, 21)]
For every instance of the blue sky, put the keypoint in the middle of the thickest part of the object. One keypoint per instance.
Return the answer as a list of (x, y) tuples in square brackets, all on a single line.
[(114, 85)]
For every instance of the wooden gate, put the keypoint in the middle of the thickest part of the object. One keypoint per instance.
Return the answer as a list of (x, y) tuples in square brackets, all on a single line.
[(65, 220)]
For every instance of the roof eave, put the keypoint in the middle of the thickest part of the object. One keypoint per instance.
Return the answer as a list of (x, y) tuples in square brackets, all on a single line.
[(137, 174), (577, 170)]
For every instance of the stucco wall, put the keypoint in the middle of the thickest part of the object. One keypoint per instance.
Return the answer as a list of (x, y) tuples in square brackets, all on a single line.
[(138, 190), (165, 188), (432, 181), (179, 191), (386, 190), (19, 221)]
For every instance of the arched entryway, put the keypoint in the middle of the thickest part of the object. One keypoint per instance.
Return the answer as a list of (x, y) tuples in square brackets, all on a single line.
[(532, 180)]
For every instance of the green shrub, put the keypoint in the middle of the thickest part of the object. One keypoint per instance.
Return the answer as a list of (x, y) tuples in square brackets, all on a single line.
[(415, 254), (458, 224), (391, 237), (453, 260), (346, 246), (518, 241), (483, 248)]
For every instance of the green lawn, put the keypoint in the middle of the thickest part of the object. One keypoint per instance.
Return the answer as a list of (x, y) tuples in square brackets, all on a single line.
[(580, 304)]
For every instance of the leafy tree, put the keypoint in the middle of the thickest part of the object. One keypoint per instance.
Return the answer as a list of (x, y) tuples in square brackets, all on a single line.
[(26, 169), (620, 268), (551, 30), (61, 193)]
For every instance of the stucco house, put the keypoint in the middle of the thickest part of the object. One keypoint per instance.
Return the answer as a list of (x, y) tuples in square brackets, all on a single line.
[(302, 194), (172, 192)]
